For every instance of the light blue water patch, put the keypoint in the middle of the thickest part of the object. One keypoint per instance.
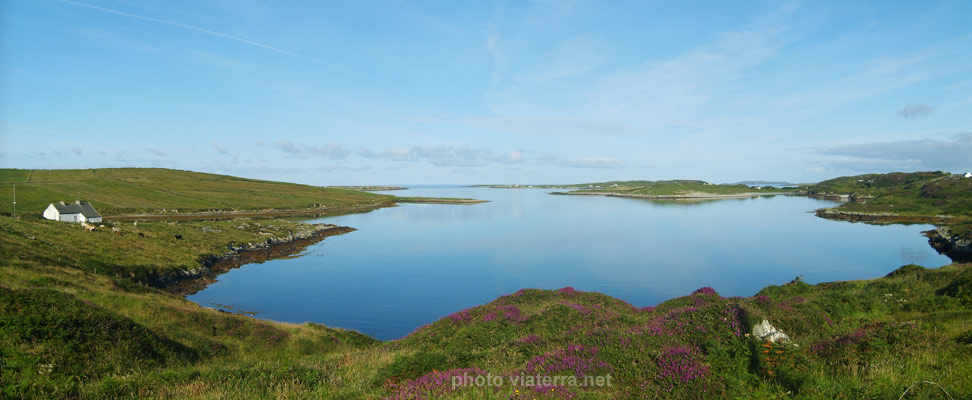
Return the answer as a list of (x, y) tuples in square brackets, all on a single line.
[(410, 265)]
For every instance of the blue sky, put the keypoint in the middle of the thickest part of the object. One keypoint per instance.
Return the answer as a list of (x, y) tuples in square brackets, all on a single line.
[(363, 92)]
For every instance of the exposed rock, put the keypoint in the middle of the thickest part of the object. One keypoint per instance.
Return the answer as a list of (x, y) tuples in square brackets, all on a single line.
[(881, 217), (190, 281), (957, 247), (766, 331)]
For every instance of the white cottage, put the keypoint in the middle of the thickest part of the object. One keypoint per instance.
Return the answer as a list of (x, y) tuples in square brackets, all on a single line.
[(77, 212), (968, 175)]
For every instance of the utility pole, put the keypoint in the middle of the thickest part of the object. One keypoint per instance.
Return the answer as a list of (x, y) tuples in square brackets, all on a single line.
[(15, 201)]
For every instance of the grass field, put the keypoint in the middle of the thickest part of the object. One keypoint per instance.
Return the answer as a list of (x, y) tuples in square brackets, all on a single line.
[(150, 190), (907, 194), (139, 252)]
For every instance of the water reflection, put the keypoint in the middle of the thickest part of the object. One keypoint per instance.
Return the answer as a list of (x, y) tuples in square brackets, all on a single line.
[(409, 265)]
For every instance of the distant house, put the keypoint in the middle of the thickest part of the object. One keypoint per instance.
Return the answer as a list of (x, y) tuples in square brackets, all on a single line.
[(968, 175), (78, 211)]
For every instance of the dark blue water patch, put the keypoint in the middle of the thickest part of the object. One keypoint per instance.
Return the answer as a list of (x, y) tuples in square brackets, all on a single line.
[(410, 265)]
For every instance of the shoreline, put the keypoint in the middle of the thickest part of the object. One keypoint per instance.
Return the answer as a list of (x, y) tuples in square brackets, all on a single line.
[(189, 282), (883, 218), (688, 196), (438, 200)]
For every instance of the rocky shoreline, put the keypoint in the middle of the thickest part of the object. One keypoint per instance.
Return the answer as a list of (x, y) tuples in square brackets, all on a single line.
[(956, 246), (881, 218), (186, 282)]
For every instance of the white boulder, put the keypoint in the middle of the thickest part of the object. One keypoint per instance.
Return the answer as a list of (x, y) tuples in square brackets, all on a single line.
[(766, 331)]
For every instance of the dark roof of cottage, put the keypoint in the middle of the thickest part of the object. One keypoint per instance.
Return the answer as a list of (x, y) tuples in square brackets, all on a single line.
[(83, 208), (67, 208), (88, 211)]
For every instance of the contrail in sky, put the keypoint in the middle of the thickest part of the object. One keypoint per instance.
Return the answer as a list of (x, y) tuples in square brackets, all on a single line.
[(206, 31)]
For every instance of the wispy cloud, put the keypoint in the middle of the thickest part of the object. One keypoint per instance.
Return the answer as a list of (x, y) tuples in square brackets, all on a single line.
[(641, 98), (331, 151), (912, 111), (155, 152), (447, 156), (572, 57), (550, 126), (221, 148), (207, 32), (594, 162)]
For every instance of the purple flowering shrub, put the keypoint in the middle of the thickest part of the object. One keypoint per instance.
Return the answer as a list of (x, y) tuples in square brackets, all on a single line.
[(530, 328), (681, 367), (528, 339), (459, 317), (705, 290), (579, 308), (505, 313), (577, 359), (431, 385)]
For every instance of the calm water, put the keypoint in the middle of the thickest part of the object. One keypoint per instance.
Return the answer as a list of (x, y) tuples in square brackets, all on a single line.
[(410, 265)]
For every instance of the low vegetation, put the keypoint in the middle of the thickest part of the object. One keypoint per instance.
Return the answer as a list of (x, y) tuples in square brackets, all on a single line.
[(154, 190), (70, 330), (139, 251), (904, 194)]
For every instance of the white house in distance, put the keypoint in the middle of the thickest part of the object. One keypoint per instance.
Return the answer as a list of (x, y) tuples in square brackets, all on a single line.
[(968, 175), (79, 211)]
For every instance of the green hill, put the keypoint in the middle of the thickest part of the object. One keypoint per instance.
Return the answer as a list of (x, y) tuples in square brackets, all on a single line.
[(133, 190), (906, 194)]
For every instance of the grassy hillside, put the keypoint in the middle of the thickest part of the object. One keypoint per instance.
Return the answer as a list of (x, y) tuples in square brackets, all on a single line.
[(668, 188), (869, 339), (69, 330), (130, 190), (918, 193), (141, 252)]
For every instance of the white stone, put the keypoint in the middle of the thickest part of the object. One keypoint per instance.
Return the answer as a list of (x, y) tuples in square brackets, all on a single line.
[(766, 331)]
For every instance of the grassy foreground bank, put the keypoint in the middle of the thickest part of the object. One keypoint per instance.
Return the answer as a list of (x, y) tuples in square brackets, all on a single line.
[(67, 330)]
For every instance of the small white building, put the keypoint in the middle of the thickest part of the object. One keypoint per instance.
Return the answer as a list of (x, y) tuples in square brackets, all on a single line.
[(968, 175), (79, 211)]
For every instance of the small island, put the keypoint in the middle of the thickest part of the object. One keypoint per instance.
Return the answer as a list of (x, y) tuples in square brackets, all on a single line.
[(672, 190)]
